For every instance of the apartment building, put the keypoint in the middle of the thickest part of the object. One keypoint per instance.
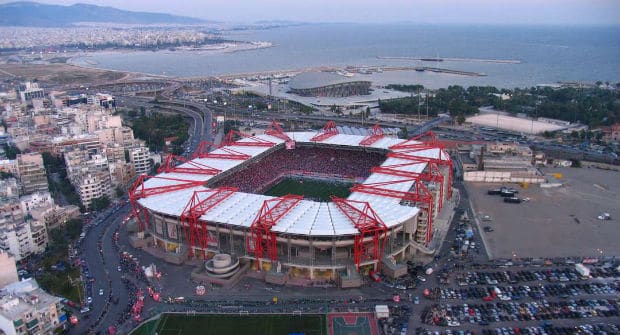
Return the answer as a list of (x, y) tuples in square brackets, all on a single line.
[(93, 185), (29, 91), (19, 236), (31, 173), (27, 309), (139, 158), (8, 275)]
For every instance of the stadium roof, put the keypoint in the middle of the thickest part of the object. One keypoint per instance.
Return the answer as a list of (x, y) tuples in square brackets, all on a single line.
[(307, 217), (307, 80)]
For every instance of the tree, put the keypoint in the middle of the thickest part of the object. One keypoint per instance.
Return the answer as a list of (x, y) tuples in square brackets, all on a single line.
[(460, 119), (11, 151), (100, 203), (6, 175), (119, 191), (74, 228)]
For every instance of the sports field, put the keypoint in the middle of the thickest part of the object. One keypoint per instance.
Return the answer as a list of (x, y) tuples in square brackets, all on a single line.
[(352, 324), (224, 324), (313, 189)]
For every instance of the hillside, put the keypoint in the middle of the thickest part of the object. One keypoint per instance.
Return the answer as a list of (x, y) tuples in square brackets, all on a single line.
[(43, 15)]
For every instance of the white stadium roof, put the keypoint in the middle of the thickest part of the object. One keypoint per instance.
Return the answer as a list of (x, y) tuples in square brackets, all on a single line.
[(307, 217)]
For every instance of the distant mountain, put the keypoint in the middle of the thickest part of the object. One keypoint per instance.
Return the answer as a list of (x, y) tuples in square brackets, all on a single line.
[(35, 14)]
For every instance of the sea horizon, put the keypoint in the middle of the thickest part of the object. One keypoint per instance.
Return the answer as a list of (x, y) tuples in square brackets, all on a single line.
[(547, 53)]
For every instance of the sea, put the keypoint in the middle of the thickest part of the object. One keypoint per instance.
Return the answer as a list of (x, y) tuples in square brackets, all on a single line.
[(547, 54)]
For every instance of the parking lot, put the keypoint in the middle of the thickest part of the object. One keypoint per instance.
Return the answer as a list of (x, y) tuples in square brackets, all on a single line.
[(525, 297), (555, 222)]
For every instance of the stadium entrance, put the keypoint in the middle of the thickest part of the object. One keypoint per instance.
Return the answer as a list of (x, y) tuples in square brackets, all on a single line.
[(311, 188)]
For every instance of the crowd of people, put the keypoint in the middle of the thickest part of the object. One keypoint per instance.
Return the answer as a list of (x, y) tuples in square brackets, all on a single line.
[(258, 175)]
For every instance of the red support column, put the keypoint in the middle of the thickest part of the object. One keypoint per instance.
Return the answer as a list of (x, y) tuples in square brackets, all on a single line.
[(268, 216), (253, 141), (328, 131), (197, 207), (172, 162), (369, 225), (376, 133), (139, 191)]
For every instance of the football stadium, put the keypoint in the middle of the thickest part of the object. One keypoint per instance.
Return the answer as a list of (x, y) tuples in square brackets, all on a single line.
[(327, 84), (214, 207)]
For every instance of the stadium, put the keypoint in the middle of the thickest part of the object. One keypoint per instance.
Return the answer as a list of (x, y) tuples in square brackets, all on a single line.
[(213, 204), (327, 84)]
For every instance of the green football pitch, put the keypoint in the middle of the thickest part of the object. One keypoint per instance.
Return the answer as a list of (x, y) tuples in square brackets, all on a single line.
[(310, 188), (220, 324)]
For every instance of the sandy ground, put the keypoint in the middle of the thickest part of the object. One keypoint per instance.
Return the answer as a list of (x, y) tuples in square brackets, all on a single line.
[(556, 222), (512, 123), (61, 74)]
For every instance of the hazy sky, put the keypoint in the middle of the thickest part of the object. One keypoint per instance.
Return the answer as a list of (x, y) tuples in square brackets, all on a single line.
[(423, 11)]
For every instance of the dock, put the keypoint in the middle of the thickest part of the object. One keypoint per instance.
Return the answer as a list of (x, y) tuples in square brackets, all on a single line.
[(437, 59)]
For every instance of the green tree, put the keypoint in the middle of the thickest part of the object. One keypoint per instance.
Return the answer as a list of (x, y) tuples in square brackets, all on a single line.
[(6, 175), (460, 119), (100, 203), (11, 151)]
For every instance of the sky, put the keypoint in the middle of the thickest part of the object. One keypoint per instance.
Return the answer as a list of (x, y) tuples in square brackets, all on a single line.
[(553, 12)]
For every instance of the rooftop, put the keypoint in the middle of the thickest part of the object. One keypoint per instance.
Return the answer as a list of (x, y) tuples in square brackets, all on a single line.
[(307, 217), (306, 80)]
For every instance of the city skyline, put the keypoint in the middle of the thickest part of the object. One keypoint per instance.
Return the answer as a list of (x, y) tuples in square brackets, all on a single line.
[(528, 12)]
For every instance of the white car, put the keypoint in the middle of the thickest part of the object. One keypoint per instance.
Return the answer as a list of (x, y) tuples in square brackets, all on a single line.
[(422, 279), (89, 300), (100, 291)]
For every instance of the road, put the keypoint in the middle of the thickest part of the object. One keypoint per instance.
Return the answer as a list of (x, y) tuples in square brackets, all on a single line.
[(102, 267), (200, 128)]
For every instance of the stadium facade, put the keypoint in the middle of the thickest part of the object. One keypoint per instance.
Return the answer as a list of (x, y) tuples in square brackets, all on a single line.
[(386, 219), (327, 84)]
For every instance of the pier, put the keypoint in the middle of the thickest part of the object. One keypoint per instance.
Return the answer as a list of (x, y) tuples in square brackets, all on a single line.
[(437, 59)]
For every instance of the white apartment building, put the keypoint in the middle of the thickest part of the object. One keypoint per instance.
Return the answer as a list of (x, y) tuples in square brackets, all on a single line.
[(36, 200), (30, 91), (139, 157), (27, 309), (18, 237), (93, 185)]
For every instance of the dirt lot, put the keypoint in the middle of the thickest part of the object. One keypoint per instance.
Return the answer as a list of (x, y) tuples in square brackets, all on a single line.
[(556, 222), (59, 74)]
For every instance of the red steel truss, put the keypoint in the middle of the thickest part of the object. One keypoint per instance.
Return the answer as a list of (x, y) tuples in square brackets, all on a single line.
[(261, 237), (376, 133), (418, 193), (195, 208), (275, 130), (328, 131), (369, 225), (411, 148), (230, 139), (430, 174), (191, 167), (203, 152), (139, 191)]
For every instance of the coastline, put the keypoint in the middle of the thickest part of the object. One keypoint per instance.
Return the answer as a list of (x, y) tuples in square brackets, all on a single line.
[(228, 47)]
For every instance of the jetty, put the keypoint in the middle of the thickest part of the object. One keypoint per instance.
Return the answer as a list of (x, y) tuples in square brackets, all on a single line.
[(442, 59)]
